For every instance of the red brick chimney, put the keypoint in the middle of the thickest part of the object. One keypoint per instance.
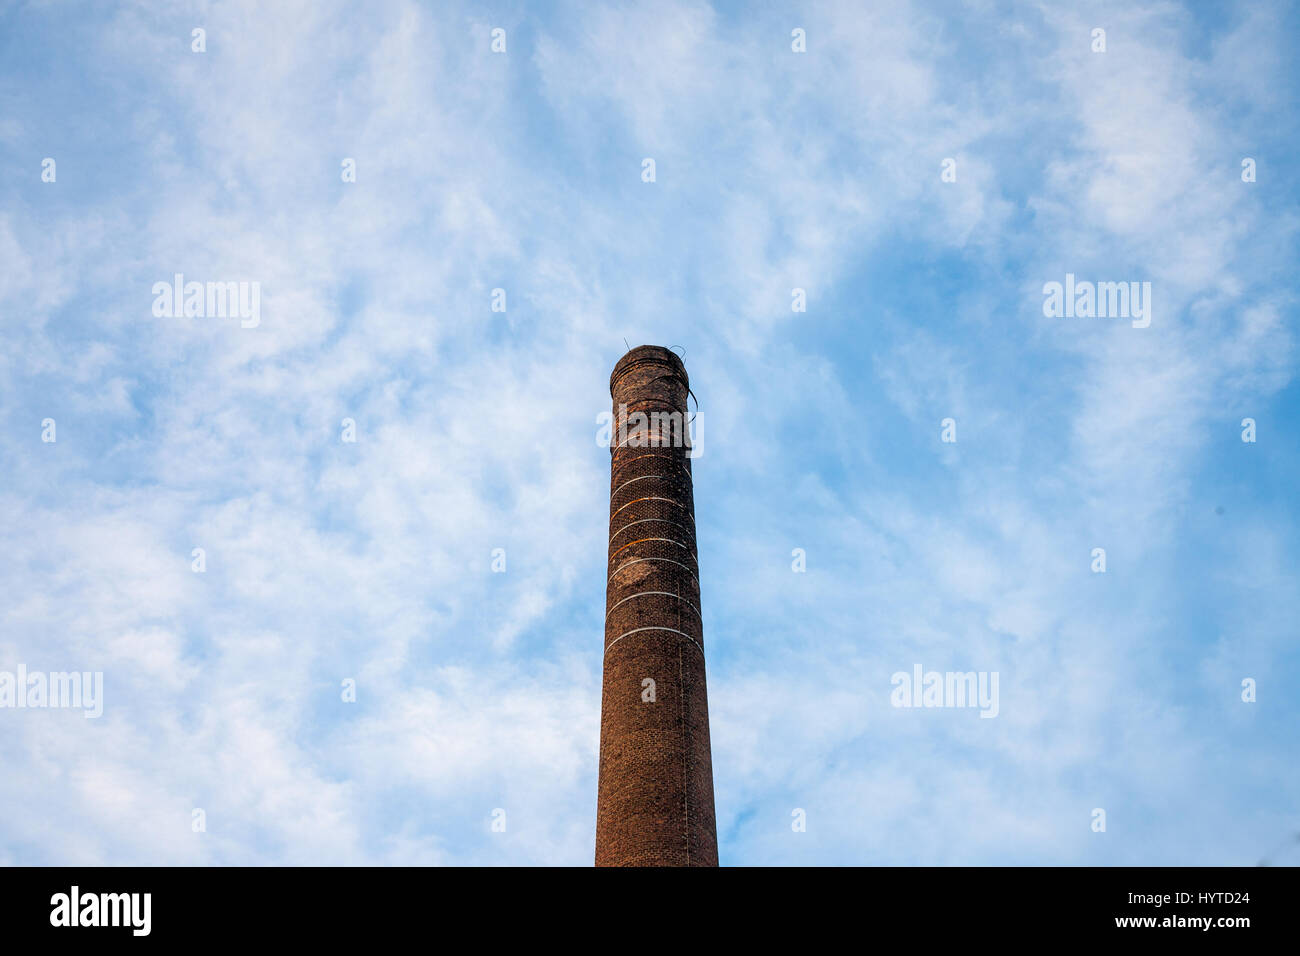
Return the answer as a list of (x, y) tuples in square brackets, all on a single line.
[(655, 806)]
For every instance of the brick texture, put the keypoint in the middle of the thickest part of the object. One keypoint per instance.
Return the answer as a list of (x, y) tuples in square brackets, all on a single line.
[(655, 806)]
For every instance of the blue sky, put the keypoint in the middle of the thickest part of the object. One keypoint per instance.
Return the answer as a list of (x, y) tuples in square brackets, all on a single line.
[(821, 430)]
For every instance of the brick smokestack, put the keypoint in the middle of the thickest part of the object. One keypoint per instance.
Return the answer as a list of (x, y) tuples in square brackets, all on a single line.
[(655, 806)]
